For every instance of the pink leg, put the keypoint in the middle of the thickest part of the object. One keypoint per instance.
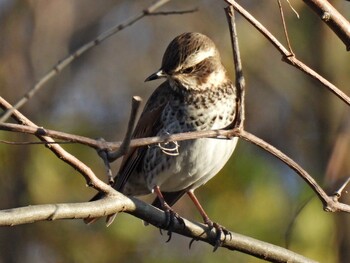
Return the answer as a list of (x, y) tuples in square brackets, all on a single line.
[(200, 208), (219, 229)]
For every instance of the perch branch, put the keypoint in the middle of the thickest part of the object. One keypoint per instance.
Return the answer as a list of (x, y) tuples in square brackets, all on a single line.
[(330, 202), (148, 213)]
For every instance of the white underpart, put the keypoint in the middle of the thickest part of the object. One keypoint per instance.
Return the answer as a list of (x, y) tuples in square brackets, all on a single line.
[(198, 160), (197, 164)]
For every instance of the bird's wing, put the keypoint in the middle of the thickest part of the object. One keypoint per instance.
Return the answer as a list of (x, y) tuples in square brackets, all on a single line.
[(148, 125)]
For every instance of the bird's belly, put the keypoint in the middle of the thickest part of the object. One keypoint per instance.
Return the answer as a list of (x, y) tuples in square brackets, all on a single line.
[(196, 163)]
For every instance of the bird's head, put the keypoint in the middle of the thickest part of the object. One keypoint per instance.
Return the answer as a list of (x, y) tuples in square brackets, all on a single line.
[(192, 61)]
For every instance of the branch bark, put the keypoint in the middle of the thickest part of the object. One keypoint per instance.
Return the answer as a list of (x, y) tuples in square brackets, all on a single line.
[(91, 179), (331, 204), (336, 21), (80, 51), (120, 203), (287, 56)]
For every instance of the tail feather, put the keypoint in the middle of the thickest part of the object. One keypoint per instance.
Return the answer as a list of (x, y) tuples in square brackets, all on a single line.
[(91, 220)]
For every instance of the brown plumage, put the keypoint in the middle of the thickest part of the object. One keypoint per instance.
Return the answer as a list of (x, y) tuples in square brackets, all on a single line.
[(196, 95)]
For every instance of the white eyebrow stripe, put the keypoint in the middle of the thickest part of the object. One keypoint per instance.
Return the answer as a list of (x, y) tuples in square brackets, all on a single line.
[(202, 55)]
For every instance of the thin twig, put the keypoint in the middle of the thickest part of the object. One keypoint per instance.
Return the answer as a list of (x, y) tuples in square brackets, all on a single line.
[(285, 26), (181, 12), (110, 156), (339, 192), (293, 9), (287, 56), (240, 81), (31, 143), (91, 44), (124, 147)]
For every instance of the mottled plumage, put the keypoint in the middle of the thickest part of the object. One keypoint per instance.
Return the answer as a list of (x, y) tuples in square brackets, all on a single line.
[(196, 95)]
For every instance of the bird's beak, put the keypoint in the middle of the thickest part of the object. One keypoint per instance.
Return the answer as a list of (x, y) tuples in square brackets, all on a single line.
[(157, 75)]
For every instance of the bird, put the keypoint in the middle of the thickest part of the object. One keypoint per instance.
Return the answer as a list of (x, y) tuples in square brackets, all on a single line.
[(197, 95)]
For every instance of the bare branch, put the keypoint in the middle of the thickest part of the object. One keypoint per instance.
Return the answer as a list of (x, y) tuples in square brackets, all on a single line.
[(240, 81), (287, 56), (285, 26), (336, 22), (148, 213), (330, 203), (339, 192), (174, 12), (288, 161), (109, 156), (70, 138), (90, 177), (112, 156), (80, 51), (98, 144), (32, 143)]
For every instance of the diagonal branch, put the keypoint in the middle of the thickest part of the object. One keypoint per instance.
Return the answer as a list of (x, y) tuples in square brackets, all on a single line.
[(336, 22), (286, 55), (83, 49), (90, 177)]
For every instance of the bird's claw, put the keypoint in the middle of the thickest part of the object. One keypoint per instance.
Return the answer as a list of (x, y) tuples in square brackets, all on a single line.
[(219, 230), (170, 217)]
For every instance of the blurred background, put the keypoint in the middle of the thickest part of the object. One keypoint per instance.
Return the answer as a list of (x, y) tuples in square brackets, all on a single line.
[(255, 194)]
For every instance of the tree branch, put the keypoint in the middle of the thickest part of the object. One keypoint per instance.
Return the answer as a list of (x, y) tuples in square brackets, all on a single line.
[(330, 203), (86, 47), (336, 22), (287, 56), (240, 81), (152, 215), (91, 179)]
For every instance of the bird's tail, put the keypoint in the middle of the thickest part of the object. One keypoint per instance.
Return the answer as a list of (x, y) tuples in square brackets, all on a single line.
[(90, 220)]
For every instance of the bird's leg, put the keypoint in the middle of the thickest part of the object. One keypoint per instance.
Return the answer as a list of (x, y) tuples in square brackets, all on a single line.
[(169, 212), (219, 229)]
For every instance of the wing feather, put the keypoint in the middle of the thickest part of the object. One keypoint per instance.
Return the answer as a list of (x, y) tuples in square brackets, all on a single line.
[(148, 125)]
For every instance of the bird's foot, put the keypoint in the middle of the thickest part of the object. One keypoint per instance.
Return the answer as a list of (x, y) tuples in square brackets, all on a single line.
[(170, 217), (219, 230)]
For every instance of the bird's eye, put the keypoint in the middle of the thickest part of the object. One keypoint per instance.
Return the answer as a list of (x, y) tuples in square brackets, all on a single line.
[(188, 70)]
